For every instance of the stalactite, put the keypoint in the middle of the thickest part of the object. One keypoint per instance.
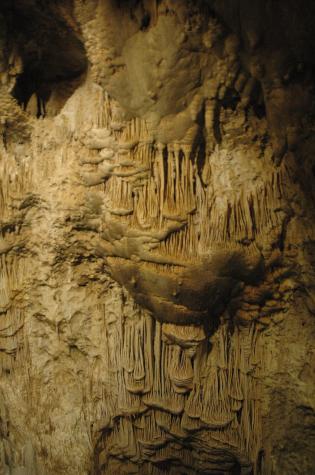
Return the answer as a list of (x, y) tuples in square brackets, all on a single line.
[(169, 208), (211, 402)]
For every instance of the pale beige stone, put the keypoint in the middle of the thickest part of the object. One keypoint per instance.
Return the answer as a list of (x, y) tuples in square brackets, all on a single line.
[(157, 240)]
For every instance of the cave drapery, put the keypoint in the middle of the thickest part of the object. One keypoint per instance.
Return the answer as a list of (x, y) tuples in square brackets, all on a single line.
[(157, 255)]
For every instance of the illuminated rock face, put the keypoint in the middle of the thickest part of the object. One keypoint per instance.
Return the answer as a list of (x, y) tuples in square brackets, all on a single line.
[(157, 230)]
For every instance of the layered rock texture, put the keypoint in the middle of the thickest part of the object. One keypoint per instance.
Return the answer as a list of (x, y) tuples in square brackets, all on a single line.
[(157, 254)]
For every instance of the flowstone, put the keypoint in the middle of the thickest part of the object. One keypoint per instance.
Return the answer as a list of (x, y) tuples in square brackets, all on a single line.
[(157, 238)]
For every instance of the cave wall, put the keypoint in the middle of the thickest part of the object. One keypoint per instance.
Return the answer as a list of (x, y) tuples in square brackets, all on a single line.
[(157, 237)]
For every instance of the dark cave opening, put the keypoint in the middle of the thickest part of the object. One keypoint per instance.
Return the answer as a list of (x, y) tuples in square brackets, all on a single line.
[(53, 57)]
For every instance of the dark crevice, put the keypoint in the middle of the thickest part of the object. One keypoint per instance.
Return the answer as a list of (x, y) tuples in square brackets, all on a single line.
[(216, 123), (258, 103), (52, 54), (145, 22), (237, 469), (231, 99), (198, 149), (165, 167)]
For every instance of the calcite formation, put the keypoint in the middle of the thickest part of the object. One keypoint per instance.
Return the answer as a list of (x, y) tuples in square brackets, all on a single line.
[(157, 254)]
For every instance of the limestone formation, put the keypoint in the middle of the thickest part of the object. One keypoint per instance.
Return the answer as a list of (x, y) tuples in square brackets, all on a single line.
[(157, 253)]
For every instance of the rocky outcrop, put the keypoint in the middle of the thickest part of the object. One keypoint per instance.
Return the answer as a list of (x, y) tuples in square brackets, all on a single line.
[(157, 238)]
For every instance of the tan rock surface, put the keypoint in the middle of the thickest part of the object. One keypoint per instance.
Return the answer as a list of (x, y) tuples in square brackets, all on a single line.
[(157, 252)]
